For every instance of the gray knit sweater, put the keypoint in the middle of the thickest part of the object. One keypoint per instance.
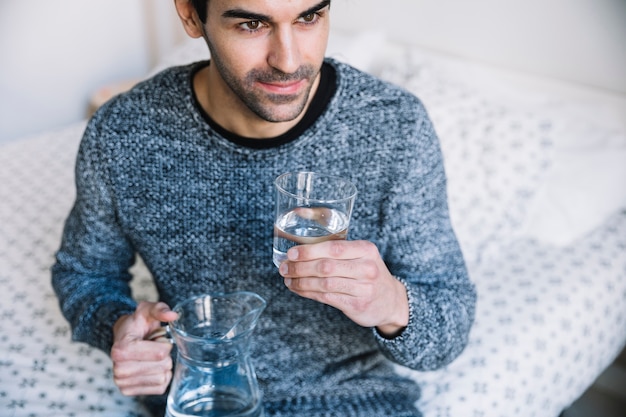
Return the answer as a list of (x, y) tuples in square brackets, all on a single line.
[(155, 180)]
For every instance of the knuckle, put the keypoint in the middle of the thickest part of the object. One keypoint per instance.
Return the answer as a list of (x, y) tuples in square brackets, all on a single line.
[(168, 363), (167, 377), (360, 305), (337, 247), (119, 381), (369, 247), (329, 285), (295, 269), (294, 284), (160, 382), (292, 268), (326, 267), (119, 374), (326, 298), (143, 305), (163, 354), (370, 270), (117, 353)]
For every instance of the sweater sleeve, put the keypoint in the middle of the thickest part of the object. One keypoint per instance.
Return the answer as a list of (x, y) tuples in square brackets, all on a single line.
[(423, 253), (91, 274)]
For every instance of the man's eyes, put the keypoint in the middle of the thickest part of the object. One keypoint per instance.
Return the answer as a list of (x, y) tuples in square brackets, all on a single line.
[(310, 18), (255, 25), (251, 25)]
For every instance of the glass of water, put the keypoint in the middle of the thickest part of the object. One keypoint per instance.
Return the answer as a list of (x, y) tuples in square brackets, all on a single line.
[(310, 208)]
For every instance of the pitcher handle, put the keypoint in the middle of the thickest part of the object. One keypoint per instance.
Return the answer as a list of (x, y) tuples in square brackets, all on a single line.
[(162, 334)]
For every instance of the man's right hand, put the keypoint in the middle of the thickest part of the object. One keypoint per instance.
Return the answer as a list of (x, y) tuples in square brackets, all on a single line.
[(140, 366)]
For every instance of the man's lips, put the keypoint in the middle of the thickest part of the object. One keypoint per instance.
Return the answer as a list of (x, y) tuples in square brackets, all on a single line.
[(283, 88)]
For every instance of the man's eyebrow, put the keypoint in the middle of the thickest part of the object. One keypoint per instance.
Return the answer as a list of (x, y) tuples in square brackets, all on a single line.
[(248, 15), (245, 14), (319, 6)]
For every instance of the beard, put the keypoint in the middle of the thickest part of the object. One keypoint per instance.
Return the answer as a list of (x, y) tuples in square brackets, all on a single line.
[(267, 106)]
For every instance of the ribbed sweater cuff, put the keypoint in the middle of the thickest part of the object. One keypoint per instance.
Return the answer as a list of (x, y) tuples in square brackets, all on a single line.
[(97, 330)]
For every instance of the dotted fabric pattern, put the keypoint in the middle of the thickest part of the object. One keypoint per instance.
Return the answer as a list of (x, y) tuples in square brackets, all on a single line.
[(42, 373), (495, 155), (549, 319)]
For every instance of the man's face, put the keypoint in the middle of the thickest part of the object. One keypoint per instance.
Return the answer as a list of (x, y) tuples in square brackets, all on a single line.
[(268, 53)]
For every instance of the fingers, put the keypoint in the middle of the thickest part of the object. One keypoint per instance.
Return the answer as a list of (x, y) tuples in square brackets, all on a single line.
[(333, 249), (350, 276), (143, 377), (145, 384), (125, 350), (334, 267), (334, 273), (356, 259), (146, 355), (142, 367), (159, 312), (363, 270)]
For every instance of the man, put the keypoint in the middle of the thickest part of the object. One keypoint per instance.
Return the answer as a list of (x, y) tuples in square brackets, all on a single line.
[(179, 171)]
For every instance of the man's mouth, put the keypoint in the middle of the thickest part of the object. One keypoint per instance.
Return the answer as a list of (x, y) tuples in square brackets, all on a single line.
[(283, 87)]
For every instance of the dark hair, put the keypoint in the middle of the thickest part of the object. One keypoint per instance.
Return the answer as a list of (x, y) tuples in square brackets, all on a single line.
[(201, 9)]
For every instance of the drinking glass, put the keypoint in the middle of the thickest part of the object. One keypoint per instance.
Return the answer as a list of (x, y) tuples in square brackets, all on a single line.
[(310, 208)]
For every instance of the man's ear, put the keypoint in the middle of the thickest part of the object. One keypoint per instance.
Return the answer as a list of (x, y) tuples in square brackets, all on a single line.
[(189, 17)]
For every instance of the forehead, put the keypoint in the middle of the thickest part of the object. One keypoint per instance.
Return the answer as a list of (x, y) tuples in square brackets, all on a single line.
[(270, 8)]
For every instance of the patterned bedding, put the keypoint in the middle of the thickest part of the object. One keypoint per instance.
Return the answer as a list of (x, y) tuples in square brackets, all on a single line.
[(550, 317)]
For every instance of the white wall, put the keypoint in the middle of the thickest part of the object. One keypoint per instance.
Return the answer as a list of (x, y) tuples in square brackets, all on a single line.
[(53, 54), (583, 41)]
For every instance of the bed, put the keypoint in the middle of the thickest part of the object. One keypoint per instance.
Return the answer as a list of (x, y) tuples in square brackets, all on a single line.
[(538, 201)]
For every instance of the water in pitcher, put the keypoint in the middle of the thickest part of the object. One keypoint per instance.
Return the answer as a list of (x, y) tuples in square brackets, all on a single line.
[(214, 376), (212, 401), (304, 225)]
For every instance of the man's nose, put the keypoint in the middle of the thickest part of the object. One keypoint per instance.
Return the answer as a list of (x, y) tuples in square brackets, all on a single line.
[(284, 54)]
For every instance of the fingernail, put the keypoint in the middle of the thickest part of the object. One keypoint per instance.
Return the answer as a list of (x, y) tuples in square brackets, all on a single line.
[(283, 269), (292, 254), (288, 282)]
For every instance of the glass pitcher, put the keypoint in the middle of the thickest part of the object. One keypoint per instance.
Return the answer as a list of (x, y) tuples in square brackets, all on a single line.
[(213, 375)]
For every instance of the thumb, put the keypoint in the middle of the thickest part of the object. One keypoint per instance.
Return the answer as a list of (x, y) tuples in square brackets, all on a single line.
[(156, 313)]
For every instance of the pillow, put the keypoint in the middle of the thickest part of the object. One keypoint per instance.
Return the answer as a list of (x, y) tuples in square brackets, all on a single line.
[(495, 154), (586, 184)]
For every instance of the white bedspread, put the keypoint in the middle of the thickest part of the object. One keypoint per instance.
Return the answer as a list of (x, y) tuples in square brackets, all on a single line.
[(41, 372), (551, 312)]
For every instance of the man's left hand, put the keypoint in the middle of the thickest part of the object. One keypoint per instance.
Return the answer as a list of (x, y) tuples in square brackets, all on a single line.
[(352, 277)]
